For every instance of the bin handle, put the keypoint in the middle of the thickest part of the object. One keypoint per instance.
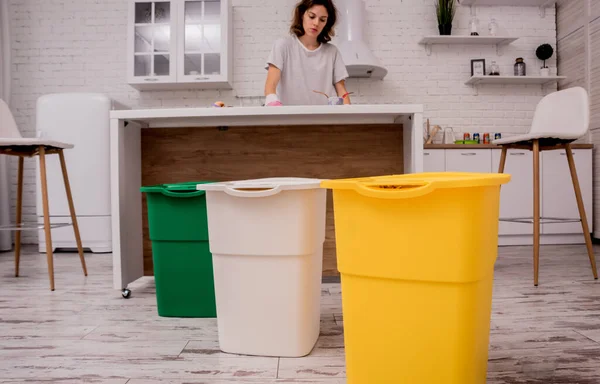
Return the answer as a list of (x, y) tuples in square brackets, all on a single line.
[(250, 191), (416, 188), (182, 194)]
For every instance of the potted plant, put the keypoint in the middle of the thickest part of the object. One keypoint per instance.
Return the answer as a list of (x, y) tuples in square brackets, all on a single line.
[(445, 10), (544, 52)]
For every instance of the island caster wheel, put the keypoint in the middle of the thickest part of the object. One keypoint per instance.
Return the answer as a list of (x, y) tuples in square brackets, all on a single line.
[(126, 293)]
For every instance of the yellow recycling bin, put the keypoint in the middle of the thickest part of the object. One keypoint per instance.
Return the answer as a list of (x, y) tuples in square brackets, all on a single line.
[(416, 254)]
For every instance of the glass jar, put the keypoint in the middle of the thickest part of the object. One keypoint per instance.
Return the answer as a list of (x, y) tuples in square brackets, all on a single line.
[(493, 27), (449, 135), (520, 67), (474, 24), (494, 69)]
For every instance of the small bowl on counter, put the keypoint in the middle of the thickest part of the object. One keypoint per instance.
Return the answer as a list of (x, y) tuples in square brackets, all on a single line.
[(334, 100)]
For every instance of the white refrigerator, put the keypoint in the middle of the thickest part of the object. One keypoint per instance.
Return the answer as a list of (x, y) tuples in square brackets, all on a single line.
[(81, 119)]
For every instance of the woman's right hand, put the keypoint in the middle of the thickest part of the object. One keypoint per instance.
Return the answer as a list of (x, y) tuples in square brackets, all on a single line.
[(273, 77)]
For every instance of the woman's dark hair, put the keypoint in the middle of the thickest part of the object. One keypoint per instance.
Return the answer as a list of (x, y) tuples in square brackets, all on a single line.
[(305, 5)]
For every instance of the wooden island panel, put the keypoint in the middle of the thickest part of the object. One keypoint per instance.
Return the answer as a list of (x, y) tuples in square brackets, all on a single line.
[(171, 155)]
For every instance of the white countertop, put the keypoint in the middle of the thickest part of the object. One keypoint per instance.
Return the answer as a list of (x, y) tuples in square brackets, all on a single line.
[(289, 115)]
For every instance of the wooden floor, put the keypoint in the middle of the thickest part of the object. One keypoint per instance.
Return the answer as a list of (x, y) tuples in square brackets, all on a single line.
[(84, 332)]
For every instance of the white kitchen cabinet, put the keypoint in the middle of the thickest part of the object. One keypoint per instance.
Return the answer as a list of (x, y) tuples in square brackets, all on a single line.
[(204, 43), (152, 44), (559, 195), (557, 198), (434, 161), (468, 160), (516, 197), (180, 44)]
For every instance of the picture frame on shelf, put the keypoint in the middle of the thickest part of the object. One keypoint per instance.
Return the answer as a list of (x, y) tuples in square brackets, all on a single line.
[(478, 67)]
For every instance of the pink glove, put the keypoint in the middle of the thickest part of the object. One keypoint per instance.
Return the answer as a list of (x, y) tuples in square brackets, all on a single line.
[(272, 101)]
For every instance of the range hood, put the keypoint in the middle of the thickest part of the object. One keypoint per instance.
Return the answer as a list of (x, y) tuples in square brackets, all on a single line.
[(360, 61)]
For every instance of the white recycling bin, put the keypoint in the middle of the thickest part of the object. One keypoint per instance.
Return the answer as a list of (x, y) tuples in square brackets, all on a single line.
[(266, 237)]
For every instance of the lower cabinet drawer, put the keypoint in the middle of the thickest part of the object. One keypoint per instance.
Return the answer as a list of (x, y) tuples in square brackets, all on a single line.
[(468, 160)]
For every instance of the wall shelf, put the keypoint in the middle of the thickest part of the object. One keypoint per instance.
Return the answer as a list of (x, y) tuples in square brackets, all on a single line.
[(542, 80), (498, 41), (542, 4), (520, 3)]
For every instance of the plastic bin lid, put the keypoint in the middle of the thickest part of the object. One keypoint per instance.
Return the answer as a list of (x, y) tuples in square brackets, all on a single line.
[(416, 184), (188, 186), (262, 187)]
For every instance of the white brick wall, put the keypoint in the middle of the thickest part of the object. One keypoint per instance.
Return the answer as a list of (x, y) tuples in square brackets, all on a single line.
[(80, 45)]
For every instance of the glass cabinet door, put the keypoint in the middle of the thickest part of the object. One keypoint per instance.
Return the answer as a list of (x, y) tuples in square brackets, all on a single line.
[(201, 40), (152, 42)]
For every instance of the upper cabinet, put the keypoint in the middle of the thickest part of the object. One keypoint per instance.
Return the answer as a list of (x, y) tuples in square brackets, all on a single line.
[(152, 48), (180, 44)]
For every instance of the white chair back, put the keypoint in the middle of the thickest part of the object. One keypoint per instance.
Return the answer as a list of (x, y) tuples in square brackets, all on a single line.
[(564, 114), (8, 126)]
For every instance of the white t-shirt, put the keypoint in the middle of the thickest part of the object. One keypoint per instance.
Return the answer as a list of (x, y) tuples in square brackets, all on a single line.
[(303, 71)]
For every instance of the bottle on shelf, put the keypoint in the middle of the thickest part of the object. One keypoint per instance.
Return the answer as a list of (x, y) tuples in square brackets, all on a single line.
[(474, 24), (493, 27), (494, 69), (520, 67)]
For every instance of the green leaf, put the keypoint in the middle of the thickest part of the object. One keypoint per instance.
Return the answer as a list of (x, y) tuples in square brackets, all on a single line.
[(445, 11)]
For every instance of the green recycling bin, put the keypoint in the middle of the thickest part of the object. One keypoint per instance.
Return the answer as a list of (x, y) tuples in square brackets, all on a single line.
[(183, 269)]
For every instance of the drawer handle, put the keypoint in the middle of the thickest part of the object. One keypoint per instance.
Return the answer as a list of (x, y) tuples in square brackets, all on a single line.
[(517, 154), (426, 154), (201, 78), (154, 79), (564, 154), (468, 154)]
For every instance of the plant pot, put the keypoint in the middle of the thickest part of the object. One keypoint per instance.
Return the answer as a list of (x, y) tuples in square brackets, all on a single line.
[(445, 29), (545, 72)]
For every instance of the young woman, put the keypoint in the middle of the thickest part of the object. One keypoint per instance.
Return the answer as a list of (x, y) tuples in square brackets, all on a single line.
[(305, 61)]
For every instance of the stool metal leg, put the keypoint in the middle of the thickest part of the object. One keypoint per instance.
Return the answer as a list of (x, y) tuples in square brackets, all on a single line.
[(581, 207), (19, 216), (47, 230), (536, 211), (63, 165)]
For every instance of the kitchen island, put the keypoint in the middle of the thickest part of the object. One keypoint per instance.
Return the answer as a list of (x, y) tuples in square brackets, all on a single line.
[(186, 128)]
